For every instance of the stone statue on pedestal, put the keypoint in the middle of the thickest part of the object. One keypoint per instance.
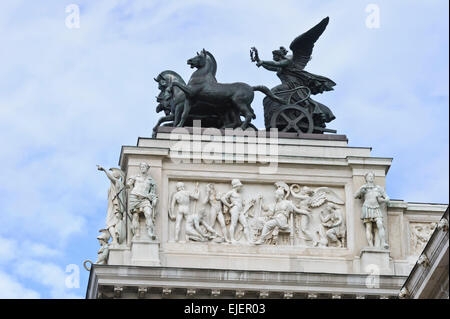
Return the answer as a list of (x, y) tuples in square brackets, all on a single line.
[(115, 215), (142, 198), (372, 214), (103, 252)]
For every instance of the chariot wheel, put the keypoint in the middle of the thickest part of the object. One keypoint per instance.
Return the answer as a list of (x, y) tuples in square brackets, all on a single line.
[(292, 118)]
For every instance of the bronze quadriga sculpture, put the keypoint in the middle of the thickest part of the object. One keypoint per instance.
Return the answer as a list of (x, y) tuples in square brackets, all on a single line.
[(288, 107)]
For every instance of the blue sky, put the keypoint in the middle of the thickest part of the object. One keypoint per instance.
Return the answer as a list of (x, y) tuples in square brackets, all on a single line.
[(70, 98)]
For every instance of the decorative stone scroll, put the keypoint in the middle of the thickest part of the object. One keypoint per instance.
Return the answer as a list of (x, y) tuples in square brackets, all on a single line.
[(254, 214)]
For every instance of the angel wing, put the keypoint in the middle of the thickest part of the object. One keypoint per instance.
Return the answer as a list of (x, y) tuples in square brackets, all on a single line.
[(302, 45), (324, 194)]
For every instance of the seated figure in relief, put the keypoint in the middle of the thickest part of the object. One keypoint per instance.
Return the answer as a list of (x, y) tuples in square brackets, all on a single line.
[(194, 231), (281, 211), (333, 226)]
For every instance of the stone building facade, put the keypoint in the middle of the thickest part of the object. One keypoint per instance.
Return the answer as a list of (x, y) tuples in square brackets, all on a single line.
[(264, 216)]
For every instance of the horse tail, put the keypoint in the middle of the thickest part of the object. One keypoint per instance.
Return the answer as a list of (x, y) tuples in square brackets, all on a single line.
[(269, 93)]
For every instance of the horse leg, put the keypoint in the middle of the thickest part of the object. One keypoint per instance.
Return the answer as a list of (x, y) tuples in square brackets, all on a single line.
[(187, 105), (184, 115), (178, 111), (161, 120), (248, 118), (246, 112), (236, 118)]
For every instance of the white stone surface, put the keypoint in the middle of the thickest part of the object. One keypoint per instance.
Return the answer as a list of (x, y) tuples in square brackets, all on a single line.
[(144, 253), (315, 163)]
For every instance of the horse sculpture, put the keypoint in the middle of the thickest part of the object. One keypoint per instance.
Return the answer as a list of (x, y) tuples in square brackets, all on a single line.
[(204, 88), (288, 107), (170, 100)]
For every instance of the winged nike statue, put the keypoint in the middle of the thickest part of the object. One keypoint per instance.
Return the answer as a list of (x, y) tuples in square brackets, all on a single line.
[(297, 85)]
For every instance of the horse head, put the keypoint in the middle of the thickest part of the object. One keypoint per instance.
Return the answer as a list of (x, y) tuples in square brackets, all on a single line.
[(198, 61), (162, 82), (164, 99)]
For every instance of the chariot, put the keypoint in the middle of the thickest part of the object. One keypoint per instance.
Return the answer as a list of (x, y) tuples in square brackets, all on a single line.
[(294, 116)]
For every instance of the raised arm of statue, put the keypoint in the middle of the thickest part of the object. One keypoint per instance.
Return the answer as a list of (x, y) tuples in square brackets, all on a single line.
[(111, 178), (267, 67), (274, 64)]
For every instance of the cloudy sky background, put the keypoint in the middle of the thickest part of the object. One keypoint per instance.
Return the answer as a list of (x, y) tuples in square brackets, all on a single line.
[(70, 98)]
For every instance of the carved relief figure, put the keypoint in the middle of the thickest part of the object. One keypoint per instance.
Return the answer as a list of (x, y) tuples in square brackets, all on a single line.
[(115, 215), (281, 212), (194, 230), (233, 200), (333, 226), (182, 198), (309, 199), (304, 195), (103, 252), (372, 215), (215, 211), (142, 198), (420, 234), (276, 223)]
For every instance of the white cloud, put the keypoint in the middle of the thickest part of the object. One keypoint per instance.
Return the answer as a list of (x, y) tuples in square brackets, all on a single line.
[(12, 289), (49, 275), (70, 98), (8, 250), (33, 249)]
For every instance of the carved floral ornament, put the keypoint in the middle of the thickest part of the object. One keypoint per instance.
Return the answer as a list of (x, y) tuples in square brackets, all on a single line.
[(238, 214)]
